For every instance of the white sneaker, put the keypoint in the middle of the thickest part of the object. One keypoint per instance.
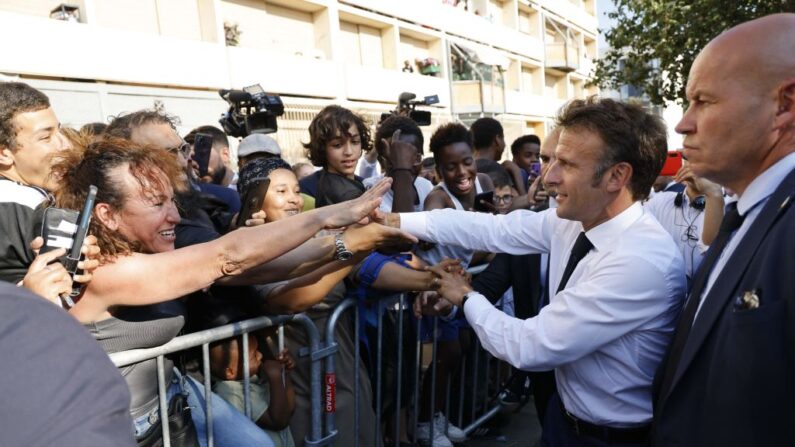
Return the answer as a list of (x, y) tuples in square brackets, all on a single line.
[(424, 435), (454, 433)]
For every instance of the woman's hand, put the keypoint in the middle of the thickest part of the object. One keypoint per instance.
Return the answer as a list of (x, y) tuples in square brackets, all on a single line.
[(363, 238), (47, 278), (257, 218), (90, 262), (356, 210)]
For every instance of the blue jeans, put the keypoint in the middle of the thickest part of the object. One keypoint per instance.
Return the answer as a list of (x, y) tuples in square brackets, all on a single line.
[(231, 428)]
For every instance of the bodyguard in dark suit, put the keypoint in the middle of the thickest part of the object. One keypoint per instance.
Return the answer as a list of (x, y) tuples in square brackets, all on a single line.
[(729, 377)]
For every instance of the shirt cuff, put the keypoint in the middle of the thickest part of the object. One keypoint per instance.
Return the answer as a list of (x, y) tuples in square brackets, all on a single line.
[(476, 304), (415, 224)]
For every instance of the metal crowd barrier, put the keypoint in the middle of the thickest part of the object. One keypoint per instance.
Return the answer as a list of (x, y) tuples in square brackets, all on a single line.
[(323, 429), (480, 410), (203, 339)]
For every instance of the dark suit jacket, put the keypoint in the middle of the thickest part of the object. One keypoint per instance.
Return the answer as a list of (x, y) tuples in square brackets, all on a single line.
[(735, 383), (520, 272)]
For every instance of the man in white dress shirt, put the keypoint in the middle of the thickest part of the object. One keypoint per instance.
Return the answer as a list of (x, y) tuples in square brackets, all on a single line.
[(610, 321)]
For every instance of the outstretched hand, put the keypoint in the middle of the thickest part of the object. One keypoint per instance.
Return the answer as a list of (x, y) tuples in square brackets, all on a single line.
[(363, 238), (453, 282), (359, 209)]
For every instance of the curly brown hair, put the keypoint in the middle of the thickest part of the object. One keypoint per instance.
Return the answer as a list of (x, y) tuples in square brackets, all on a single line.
[(152, 167), (330, 123)]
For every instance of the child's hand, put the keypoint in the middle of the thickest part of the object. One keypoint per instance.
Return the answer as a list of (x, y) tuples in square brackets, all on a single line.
[(286, 359)]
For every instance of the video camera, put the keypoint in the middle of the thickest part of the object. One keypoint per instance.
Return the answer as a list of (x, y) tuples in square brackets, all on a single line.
[(406, 107), (251, 110)]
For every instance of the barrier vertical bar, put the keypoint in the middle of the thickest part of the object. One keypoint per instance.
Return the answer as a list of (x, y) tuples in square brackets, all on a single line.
[(357, 357), (398, 397), (475, 369), (161, 391), (417, 368), (433, 376), (246, 377), (207, 394), (314, 383), (461, 385), (378, 371)]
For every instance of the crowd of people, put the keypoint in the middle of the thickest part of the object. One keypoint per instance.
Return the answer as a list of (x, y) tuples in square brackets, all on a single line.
[(637, 309)]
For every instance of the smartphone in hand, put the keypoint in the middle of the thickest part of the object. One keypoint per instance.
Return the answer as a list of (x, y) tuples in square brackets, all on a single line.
[(487, 197), (253, 200), (202, 147)]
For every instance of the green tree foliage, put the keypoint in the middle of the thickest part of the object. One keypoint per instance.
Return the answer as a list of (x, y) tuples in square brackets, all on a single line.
[(657, 40)]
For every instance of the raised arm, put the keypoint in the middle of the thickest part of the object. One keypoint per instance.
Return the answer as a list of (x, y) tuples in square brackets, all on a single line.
[(145, 279)]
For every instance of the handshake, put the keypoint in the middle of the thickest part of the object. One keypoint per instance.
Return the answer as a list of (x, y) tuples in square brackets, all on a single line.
[(451, 283)]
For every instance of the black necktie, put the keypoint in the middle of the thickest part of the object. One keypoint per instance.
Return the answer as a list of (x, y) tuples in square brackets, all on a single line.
[(731, 222), (581, 248)]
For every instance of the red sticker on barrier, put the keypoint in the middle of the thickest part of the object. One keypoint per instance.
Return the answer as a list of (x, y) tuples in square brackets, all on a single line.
[(331, 393)]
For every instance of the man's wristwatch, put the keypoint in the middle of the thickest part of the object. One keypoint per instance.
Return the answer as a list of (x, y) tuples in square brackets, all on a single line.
[(341, 252), (466, 297)]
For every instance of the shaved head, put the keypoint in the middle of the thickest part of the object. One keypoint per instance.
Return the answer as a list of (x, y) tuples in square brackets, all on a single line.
[(741, 89), (763, 49)]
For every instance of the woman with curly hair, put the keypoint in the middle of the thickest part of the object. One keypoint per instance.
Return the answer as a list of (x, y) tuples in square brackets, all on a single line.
[(130, 301)]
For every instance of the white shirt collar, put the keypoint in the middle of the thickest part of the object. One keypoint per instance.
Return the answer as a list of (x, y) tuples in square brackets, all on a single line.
[(602, 234), (765, 183)]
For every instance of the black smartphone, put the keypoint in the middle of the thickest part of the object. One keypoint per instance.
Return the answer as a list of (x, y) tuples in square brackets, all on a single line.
[(253, 200), (67, 229), (202, 146), (487, 197)]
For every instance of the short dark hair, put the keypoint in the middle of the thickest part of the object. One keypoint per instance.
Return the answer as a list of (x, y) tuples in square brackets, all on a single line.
[(517, 144), (484, 131), (446, 135), (94, 128), (406, 125), (220, 140), (122, 126), (501, 178), (17, 97), (324, 128), (428, 162), (630, 135)]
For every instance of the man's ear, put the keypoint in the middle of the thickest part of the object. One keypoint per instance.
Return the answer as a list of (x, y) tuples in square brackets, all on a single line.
[(107, 216), (226, 157), (619, 177), (785, 116), (6, 158)]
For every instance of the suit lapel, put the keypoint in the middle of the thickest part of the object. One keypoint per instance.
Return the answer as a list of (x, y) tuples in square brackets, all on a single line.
[(726, 283)]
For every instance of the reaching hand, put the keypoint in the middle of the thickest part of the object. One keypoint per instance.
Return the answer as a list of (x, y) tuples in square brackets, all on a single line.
[(358, 209), (47, 278), (431, 304), (363, 238), (698, 186), (453, 283), (399, 154)]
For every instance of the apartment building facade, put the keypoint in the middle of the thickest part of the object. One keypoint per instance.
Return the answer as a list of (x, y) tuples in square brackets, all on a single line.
[(515, 60)]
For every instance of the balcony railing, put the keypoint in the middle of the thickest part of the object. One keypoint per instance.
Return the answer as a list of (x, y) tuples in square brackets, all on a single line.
[(562, 56)]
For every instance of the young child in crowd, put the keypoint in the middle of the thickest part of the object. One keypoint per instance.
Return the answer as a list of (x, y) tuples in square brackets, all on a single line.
[(337, 138), (270, 387)]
